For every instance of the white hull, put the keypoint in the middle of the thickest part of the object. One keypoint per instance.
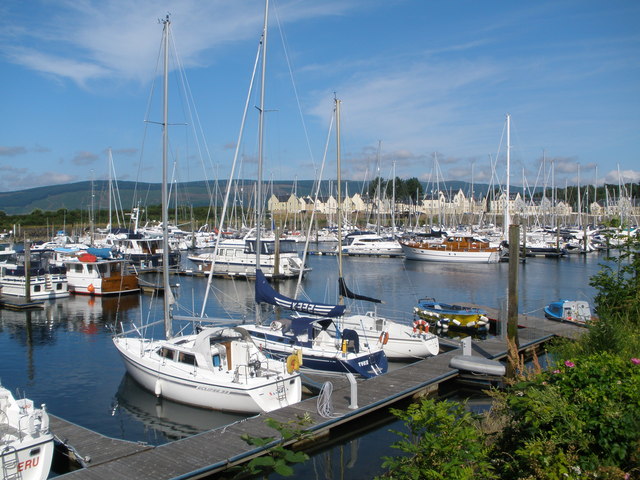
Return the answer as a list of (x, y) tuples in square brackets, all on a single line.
[(403, 341), (42, 287), (235, 259), (238, 389), (433, 255), (373, 245), (26, 445)]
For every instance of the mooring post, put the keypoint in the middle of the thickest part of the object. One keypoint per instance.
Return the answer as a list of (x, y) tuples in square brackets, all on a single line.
[(466, 346), (512, 305), (354, 391)]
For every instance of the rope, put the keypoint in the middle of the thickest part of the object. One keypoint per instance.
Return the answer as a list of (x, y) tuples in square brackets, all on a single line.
[(325, 407), (532, 311)]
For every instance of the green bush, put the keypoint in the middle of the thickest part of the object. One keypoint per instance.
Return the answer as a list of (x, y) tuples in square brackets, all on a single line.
[(579, 420), (445, 442)]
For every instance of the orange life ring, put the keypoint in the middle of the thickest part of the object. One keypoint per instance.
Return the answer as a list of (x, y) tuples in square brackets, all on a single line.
[(384, 338), (420, 325)]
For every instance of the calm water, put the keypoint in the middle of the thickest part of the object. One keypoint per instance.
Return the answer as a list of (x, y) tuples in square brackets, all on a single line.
[(63, 355)]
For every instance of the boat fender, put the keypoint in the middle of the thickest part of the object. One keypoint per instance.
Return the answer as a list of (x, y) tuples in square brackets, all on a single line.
[(298, 353), (276, 325), (384, 338), (91, 288), (292, 363), (483, 320), (158, 388), (472, 323), (456, 322)]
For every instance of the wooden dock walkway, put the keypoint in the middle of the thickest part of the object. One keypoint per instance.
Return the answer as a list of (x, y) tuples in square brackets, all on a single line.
[(216, 450)]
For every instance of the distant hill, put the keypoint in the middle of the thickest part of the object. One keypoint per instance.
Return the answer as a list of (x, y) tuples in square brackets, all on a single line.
[(78, 196)]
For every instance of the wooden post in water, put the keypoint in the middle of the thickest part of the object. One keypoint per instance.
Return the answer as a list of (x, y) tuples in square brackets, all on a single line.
[(512, 305)]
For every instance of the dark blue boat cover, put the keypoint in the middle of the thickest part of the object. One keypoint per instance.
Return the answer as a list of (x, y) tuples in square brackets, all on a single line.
[(265, 293)]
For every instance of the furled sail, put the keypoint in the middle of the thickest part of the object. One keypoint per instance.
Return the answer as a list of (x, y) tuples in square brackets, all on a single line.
[(345, 292), (265, 293)]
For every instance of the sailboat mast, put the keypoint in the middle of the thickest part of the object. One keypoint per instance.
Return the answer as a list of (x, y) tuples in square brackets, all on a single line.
[(338, 208), (110, 187), (168, 328), (259, 203), (378, 191), (393, 202), (507, 219)]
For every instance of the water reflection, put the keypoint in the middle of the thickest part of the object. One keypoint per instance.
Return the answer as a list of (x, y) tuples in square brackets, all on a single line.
[(164, 420), (63, 355)]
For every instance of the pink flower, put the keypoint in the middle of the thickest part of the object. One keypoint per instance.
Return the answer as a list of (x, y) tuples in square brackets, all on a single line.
[(635, 361), (557, 371), (569, 364)]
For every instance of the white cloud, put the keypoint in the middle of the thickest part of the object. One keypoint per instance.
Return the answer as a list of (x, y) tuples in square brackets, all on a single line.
[(89, 40), (623, 176)]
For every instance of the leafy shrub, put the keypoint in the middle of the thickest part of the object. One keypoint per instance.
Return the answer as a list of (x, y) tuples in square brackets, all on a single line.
[(445, 442), (578, 420)]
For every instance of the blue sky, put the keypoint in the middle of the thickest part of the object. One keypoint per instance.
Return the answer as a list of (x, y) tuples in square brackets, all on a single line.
[(417, 79)]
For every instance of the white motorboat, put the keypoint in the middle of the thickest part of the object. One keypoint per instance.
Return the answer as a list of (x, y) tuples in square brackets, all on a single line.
[(371, 244), (237, 258), (26, 444), (42, 283), (90, 275)]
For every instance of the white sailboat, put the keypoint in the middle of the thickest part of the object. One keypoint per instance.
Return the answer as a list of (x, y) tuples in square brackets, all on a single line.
[(216, 368), (398, 341), (333, 341)]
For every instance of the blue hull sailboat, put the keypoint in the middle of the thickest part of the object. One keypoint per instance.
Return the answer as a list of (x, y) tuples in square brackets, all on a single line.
[(312, 334)]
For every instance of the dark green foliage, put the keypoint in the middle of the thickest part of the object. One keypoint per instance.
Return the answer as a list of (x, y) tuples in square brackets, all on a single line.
[(445, 442), (618, 283), (577, 418), (278, 458)]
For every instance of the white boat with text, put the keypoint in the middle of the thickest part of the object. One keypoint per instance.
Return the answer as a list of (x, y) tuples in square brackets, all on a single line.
[(26, 444)]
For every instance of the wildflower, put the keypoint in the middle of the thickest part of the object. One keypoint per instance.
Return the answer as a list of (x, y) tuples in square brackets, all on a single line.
[(635, 361), (557, 371), (569, 364)]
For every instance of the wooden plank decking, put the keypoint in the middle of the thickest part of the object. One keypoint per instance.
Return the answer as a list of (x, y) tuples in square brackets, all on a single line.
[(213, 451)]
